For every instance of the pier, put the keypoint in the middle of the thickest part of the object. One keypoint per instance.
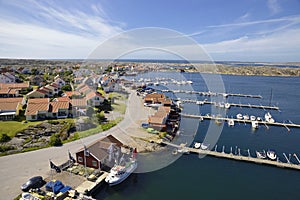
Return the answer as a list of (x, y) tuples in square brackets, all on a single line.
[(228, 105), (89, 186), (265, 123), (209, 93), (232, 156)]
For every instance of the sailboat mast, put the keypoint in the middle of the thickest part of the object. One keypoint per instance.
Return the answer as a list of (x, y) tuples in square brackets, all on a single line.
[(271, 96)]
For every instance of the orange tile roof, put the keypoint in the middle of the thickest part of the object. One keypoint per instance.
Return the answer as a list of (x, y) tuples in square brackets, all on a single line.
[(8, 106), (11, 100), (15, 85), (156, 120), (78, 102), (38, 100), (34, 108), (65, 98), (55, 106), (71, 93), (93, 94)]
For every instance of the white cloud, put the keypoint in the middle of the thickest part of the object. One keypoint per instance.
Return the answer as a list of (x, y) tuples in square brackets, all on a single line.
[(284, 46), (273, 6), (55, 33)]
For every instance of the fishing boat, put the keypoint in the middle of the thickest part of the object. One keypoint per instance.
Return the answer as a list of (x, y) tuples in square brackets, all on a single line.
[(271, 154), (120, 172), (261, 154), (254, 124), (197, 145), (230, 122)]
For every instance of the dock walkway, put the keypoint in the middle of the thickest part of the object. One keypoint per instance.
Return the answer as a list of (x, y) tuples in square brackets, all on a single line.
[(201, 117), (229, 104), (235, 157), (89, 185), (211, 93)]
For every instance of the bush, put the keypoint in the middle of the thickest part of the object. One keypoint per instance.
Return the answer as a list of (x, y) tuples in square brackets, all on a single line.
[(55, 140), (5, 138)]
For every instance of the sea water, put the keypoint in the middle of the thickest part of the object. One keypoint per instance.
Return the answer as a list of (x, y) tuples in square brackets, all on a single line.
[(191, 177)]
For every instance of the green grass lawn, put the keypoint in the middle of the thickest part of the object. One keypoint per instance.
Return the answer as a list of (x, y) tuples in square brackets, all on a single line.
[(12, 127), (119, 107)]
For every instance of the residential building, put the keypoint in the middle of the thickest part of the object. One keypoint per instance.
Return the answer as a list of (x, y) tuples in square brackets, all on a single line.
[(42, 108), (10, 107), (94, 99)]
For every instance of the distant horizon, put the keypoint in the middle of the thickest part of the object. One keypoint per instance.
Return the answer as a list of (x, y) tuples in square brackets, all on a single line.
[(149, 60), (242, 31)]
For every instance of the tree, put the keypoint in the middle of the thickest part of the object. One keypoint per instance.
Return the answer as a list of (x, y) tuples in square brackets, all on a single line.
[(5, 138), (90, 111), (55, 140), (100, 116), (66, 88)]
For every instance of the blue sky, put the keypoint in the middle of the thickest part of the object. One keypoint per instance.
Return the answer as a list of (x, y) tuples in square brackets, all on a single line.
[(241, 30)]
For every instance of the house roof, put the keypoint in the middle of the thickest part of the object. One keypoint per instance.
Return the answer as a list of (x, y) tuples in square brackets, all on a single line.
[(64, 98), (38, 100), (8, 106), (78, 102), (11, 100), (8, 91), (155, 95), (55, 106), (85, 89), (156, 119), (34, 108), (92, 94), (71, 93), (15, 85)]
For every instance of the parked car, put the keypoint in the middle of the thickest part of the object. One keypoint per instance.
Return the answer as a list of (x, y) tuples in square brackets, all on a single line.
[(33, 183)]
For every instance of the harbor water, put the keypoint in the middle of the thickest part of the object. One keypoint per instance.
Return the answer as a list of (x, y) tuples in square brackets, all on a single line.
[(215, 178)]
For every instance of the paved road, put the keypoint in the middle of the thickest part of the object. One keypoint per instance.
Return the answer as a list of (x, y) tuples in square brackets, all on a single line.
[(16, 169)]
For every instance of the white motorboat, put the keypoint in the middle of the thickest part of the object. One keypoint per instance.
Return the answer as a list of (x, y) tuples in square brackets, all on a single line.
[(183, 150), (227, 105), (230, 122), (254, 124), (246, 117), (252, 118), (204, 146), (239, 116), (197, 145), (271, 155), (261, 154), (120, 172), (258, 118)]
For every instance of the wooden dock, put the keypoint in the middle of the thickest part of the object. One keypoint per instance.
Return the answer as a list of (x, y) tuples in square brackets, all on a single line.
[(91, 186), (235, 157), (265, 123), (225, 95), (222, 105)]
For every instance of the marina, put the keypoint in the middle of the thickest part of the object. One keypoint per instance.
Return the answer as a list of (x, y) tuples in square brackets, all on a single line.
[(226, 119), (237, 156), (209, 93), (228, 105)]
